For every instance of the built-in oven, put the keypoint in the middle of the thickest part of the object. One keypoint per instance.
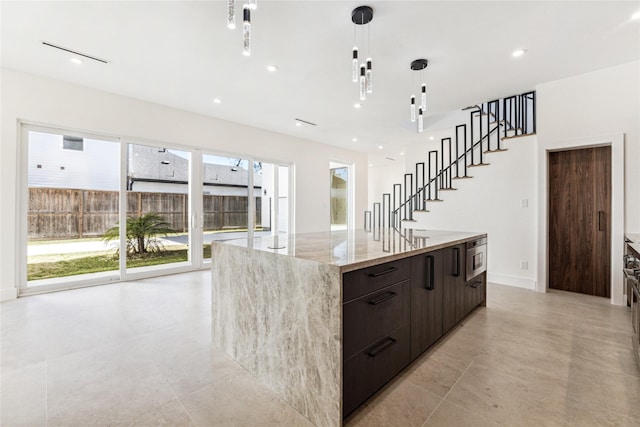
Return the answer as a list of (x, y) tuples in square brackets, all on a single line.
[(476, 257)]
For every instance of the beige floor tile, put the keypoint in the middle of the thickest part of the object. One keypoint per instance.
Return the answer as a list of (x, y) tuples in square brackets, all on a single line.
[(140, 354), (106, 386), (451, 415), (401, 403), (23, 396), (240, 401)]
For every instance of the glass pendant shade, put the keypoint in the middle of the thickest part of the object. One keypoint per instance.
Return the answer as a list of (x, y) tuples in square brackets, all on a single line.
[(423, 100), (363, 83), (246, 32), (420, 121), (369, 76), (253, 4), (413, 108), (354, 65), (231, 14)]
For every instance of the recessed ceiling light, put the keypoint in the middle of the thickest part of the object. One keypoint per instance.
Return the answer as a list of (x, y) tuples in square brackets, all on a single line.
[(402, 153), (76, 61), (272, 68), (298, 124), (216, 100), (357, 105), (355, 139), (431, 138), (380, 147), (636, 16), (370, 164), (517, 53)]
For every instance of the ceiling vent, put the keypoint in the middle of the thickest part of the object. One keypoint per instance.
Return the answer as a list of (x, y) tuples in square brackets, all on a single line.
[(75, 52)]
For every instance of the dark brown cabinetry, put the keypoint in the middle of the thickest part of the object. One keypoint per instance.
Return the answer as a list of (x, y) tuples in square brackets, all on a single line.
[(453, 298), (395, 311), (376, 329), (426, 301)]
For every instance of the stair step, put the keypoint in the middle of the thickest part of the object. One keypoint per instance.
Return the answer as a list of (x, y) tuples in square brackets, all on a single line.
[(408, 220), (497, 150), (433, 200), (421, 210), (479, 164), (448, 189), (518, 136), (462, 177)]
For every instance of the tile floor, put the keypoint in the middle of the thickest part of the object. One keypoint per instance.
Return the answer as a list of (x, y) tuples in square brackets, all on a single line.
[(140, 354)]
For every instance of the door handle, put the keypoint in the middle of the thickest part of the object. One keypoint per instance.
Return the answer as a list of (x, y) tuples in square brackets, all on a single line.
[(601, 220), (430, 273)]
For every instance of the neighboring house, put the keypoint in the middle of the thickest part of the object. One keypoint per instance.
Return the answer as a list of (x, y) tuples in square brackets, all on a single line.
[(69, 162)]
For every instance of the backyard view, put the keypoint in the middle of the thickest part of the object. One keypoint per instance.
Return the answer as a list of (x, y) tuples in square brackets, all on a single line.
[(74, 206)]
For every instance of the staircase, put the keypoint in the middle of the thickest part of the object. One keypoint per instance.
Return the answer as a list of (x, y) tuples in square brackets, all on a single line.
[(489, 124)]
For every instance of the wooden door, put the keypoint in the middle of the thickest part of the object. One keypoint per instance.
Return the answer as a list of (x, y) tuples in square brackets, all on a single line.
[(580, 220)]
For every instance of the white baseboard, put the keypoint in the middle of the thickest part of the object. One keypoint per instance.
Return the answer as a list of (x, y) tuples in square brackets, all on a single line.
[(8, 294), (519, 282)]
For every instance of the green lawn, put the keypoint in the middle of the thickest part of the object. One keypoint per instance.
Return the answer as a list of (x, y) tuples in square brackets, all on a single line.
[(98, 263)]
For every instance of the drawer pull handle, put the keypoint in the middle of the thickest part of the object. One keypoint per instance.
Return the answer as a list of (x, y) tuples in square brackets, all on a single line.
[(456, 262), (431, 271), (382, 347), (475, 284), (385, 297), (382, 273)]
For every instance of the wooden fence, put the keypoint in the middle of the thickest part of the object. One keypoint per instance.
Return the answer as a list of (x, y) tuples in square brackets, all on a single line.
[(56, 213)]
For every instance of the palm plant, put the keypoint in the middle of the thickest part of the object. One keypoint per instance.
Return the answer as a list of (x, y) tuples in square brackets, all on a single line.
[(141, 233)]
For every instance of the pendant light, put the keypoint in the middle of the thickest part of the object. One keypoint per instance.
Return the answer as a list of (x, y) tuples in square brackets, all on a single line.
[(361, 16), (231, 14), (419, 65), (246, 30)]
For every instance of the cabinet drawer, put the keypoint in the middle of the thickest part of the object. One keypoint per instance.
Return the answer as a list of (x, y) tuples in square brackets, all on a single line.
[(360, 282), (474, 292), (368, 370), (371, 317)]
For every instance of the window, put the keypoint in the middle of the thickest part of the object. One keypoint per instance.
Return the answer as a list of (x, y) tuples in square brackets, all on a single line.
[(72, 143)]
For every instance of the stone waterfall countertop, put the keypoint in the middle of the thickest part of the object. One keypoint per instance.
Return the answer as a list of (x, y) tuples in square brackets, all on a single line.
[(352, 250)]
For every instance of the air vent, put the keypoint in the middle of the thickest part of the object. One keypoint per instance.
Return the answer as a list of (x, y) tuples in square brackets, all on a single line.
[(305, 122), (389, 158), (75, 52)]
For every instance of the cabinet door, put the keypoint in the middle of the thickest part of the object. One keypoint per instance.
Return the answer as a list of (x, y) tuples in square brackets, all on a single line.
[(453, 304), (426, 301)]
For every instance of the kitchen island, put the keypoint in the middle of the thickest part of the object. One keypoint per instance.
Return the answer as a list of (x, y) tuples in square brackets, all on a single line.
[(326, 319)]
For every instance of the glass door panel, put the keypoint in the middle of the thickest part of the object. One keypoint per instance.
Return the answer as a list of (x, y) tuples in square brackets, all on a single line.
[(157, 208), (271, 190), (73, 185), (339, 197), (224, 200)]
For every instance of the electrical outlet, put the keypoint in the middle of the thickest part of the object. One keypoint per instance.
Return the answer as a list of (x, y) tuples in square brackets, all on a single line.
[(524, 265), (524, 203)]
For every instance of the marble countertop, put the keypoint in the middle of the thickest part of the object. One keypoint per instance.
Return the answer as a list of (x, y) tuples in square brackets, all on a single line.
[(351, 250)]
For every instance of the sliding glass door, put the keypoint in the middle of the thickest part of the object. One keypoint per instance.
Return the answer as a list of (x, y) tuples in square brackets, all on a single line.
[(158, 208), (98, 209), (71, 201)]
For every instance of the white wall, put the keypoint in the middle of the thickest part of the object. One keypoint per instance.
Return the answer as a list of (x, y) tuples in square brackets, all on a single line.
[(49, 102), (595, 108), (490, 202), (588, 108)]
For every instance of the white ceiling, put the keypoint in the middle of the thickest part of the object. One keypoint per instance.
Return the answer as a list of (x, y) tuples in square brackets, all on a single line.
[(182, 55)]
